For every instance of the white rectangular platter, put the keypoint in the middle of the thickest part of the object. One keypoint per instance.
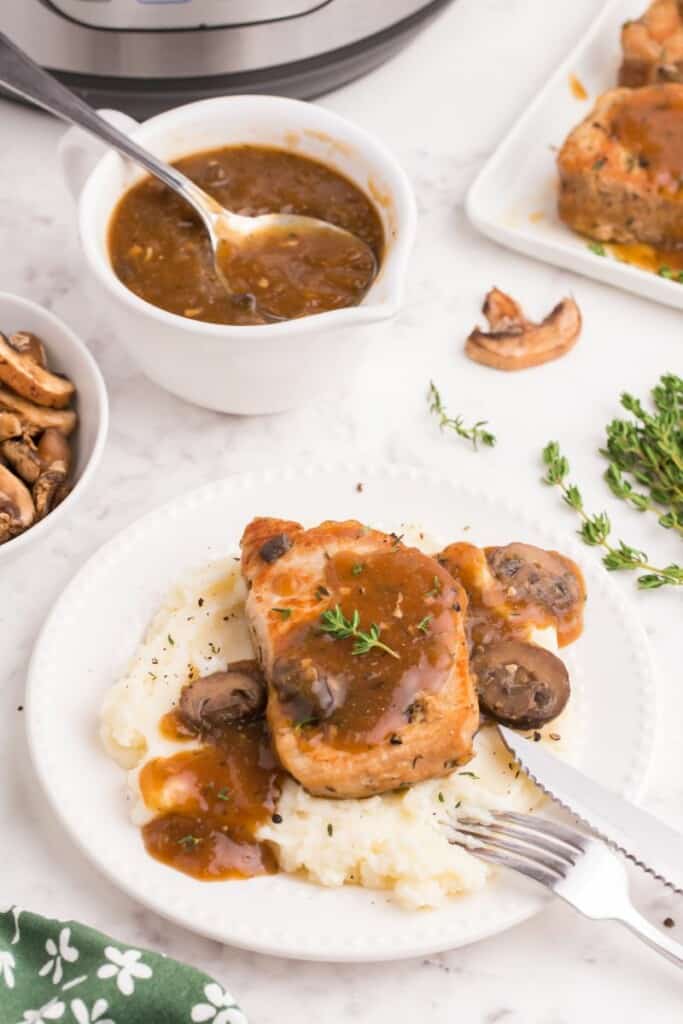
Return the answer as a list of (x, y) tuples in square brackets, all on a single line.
[(513, 200)]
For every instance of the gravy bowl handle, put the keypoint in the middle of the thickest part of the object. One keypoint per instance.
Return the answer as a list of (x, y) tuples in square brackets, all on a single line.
[(78, 151)]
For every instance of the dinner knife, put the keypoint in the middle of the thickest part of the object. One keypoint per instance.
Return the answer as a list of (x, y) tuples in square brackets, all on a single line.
[(642, 838)]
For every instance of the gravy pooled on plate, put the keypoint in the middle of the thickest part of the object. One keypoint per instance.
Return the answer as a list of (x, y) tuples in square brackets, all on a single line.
[(161, 251)]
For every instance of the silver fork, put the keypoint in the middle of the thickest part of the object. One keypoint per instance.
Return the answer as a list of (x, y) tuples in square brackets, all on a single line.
[(581, 870)]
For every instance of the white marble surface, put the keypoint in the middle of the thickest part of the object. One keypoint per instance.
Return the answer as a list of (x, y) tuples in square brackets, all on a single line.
[(441, 106)]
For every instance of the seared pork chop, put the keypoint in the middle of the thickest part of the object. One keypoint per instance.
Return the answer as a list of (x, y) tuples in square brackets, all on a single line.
[(653, 45), (351, 717), (621, 169)]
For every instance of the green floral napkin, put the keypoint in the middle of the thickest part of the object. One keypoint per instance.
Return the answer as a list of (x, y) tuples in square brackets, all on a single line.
[(63, 971)]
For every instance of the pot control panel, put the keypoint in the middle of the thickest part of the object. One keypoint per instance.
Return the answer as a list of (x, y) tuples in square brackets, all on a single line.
[(158, 15)]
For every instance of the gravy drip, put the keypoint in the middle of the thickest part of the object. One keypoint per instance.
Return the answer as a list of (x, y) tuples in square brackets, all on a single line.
[(211, 800)]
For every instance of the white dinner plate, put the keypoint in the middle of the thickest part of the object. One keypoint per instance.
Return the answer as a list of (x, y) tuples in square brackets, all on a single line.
[(514, 198), (100, 618)]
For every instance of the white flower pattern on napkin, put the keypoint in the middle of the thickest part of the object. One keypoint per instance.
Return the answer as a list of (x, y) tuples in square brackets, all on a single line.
[(54, 1010), (221, 1008), (7, 965), (125, 967), (85, 1016), (58, 955)]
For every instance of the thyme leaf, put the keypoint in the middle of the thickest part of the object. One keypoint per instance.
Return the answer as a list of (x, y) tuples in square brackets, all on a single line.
[(596, 529), (334, 622), (476, 434)]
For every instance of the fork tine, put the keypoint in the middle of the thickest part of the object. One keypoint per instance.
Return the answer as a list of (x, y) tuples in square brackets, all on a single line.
[(552, 864), (506, 860), (537, 840), (565, 834)]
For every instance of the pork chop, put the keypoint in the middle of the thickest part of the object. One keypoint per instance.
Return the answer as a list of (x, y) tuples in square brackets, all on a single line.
[(621, 169), (652, 45), (362, 641)]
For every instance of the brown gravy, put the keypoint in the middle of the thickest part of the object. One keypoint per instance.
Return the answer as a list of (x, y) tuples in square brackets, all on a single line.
[(493, 616), (211, 801), (160, 250), (411, 598)]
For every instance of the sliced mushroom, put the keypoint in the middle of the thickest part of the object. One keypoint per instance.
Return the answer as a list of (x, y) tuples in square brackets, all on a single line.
[(520, 684), (36, 417), (48, 490), (530, 574), (10, 426), (30, 345), (223, 698), (54, 447), (22, 455), (515, 343), (21, 372), (275, 547), (17, 512)]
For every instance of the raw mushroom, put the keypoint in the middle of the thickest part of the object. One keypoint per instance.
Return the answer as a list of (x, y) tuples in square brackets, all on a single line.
[(17, 512), (223, 698), (30, 345), (20, 372), (515, 343), (520, 684), (530, 574), (22, 455), (35, 417)]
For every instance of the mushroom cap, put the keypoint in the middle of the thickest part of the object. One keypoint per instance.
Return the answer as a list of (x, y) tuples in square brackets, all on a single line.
[(21, 372), (22, 456), (48, 488), (54, 447), (30, 345), (223, 698), (17, 510), (36, 417), (520, 684), (533, 574), (515, 343)]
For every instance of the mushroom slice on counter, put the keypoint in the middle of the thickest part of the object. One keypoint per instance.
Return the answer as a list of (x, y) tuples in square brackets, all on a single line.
[(36, 417), (10, 426), (30, 345), (223, 698), (17, 511), (520, 684), (21, 372), (22, 455), (515, 343), (531, 574)]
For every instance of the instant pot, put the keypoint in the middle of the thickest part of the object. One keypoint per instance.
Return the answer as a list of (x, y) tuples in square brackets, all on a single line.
[(144, 56)]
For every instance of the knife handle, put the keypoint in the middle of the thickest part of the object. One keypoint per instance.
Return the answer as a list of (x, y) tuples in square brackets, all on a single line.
[(652, 936)]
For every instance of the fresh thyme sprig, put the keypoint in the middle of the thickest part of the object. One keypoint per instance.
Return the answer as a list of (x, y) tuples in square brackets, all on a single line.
[(334, 622), (595, 529), (476, 434), (649, 450)]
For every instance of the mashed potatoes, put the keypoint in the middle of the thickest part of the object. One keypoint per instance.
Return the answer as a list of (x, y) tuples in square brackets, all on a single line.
[(393, 842)]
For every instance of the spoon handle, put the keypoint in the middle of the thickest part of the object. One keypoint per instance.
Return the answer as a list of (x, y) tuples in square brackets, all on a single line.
[(23, 76)]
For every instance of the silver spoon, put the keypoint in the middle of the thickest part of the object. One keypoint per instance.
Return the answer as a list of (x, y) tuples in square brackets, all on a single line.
[(231, 235)]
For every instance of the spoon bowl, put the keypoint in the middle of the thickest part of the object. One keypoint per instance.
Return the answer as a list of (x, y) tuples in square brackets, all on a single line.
[(283, 265)]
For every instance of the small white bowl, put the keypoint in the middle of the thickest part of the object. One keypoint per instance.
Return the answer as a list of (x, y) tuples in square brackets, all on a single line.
[(66, 354), (257, 369)]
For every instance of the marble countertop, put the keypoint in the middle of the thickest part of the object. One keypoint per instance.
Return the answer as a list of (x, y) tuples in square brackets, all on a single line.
[(441, 106)]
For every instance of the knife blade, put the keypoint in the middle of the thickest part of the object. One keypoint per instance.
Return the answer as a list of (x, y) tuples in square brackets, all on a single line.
[(641, 837)]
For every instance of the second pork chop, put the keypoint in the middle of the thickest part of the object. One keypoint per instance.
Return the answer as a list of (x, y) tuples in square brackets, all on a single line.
[(352, 717)]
